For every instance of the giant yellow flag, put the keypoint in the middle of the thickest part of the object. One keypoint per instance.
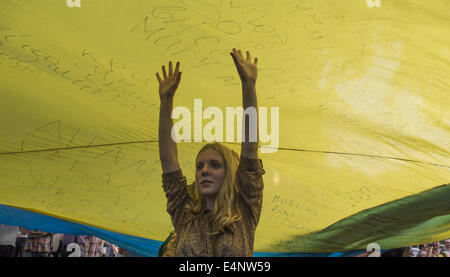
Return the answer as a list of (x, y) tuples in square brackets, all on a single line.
[(355, 95)]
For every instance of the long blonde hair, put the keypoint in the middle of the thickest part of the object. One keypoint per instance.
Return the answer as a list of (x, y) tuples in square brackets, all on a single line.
[(226, 209)]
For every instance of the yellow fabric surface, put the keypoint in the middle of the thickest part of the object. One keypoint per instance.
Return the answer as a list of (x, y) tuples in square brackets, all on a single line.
[(362, 89)]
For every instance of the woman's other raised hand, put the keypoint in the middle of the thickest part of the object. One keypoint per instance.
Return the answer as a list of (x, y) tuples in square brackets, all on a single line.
[(169, 84)]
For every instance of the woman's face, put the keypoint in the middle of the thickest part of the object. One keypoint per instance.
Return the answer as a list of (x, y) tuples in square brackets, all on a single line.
[(209, 173)]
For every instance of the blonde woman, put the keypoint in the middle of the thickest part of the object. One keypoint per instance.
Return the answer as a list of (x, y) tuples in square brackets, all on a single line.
[(217, 215)]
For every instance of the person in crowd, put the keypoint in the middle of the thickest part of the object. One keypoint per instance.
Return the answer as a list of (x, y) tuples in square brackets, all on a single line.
[(69, 243), (22, 238), (92, 245), (8, 238), (38, 244), (436, 249), (55, 244), (102, 248), (111, 250), (423, 250), (414, 251), (446, 248)]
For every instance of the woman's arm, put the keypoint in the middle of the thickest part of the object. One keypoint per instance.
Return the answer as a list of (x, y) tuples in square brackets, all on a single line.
[(168, 153), (250, 171), (430, 251), (248, 74)]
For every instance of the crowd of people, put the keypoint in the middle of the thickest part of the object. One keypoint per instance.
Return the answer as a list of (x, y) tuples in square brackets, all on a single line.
[(18, 242), (433, 249)]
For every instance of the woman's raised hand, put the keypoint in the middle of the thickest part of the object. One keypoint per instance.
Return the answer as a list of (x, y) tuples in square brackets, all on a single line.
[(246, 68), (169, 84)]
